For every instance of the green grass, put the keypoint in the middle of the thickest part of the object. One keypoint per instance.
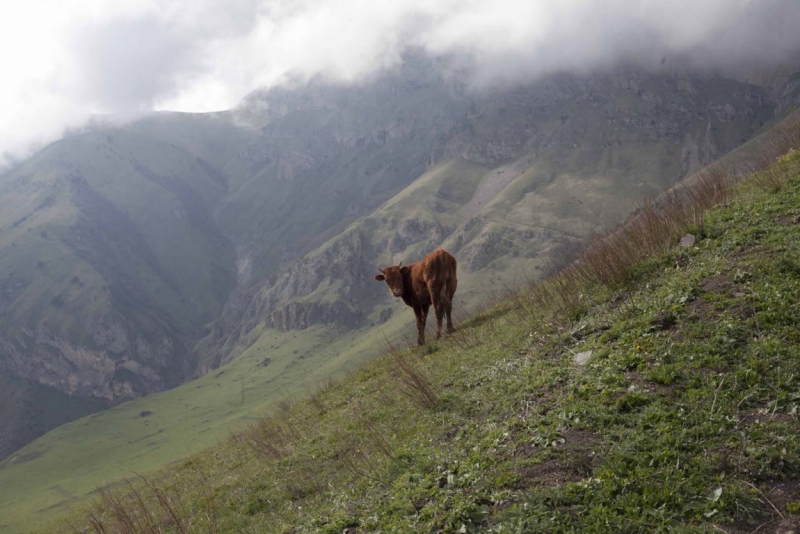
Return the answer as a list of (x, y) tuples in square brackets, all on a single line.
[(61, 469), (31, 409), (684, 418)]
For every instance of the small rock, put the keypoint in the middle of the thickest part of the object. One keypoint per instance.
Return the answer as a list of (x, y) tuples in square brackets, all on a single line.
[(688, 241), (582, 357)]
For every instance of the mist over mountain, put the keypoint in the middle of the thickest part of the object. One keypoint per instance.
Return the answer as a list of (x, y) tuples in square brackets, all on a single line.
[(108, 58)]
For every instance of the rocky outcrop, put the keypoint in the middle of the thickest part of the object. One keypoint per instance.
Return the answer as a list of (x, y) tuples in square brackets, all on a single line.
[(300, 315), (334, 277), (556, 112), (114, 364), (724, 112), (412, 231), (480, 252)]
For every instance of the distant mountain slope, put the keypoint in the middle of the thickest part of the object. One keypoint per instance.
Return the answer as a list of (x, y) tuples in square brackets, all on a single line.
[(111, 262), (133, 257)]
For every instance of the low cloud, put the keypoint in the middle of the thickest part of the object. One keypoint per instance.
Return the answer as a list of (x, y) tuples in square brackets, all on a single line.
[(66, 60)]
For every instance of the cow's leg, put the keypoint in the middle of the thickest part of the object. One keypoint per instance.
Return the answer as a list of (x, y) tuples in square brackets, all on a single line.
[(421, 313), (424, 321), (450, 291), (438, 307)]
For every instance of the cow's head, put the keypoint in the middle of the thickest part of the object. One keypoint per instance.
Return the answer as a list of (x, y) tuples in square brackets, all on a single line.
[(394, 278)]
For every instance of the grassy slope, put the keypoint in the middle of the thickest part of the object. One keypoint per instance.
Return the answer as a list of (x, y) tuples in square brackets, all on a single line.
[(28, 409), (59, 470), (683, 419), (62, 469)]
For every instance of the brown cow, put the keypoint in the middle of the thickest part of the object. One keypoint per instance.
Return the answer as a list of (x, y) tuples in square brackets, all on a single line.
[(431, 281)]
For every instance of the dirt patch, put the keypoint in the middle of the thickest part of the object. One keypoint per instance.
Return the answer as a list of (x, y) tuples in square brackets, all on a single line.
[(757, 250), (572, 461), (781, 494), (774, 496), (702, 309), (664, 320), (451, 433), (721, 283), (581, 440), (548, 474), (743, 311), (773, 526), (648, 385), (790, 525), (787, 220), (760, 416)]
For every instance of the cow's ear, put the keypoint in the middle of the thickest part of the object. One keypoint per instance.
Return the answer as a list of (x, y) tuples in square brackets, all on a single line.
[(380, 277), (404, 270)]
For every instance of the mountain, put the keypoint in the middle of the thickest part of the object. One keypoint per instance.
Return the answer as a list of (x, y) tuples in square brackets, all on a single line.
[(139, 255), (112, 262)]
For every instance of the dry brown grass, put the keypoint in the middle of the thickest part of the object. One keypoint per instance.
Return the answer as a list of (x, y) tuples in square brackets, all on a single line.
[(780, 140), (364, 447), (146, 508), (277, 434), (412, 382), (610, 259)]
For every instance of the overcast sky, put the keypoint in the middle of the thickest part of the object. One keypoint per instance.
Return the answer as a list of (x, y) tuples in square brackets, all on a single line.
[(63, 60)]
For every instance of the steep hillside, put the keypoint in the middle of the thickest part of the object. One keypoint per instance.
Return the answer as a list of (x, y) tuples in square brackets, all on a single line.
[(662, 400)]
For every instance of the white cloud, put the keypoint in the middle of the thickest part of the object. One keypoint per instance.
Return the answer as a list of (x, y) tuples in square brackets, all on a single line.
[(64, 60)]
